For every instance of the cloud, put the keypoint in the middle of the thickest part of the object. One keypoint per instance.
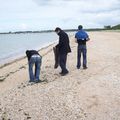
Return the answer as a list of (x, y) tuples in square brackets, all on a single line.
[(23, 26), (42, 2), (47, 14), (71, 8)]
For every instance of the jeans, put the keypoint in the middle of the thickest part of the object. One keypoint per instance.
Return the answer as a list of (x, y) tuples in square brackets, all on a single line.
[(82, 49), (34, 75), (62, 62)]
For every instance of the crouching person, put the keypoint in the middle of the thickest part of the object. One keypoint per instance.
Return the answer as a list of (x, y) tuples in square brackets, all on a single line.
[(34, 58)]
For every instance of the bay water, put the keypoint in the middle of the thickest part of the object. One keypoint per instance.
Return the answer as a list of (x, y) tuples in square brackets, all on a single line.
[(13, 46)]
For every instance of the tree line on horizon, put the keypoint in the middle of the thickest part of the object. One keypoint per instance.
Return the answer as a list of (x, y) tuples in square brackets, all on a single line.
[(108, 27), (116, 27)]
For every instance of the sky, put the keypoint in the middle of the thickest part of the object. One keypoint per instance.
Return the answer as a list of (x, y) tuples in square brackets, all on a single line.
[(23, 15)]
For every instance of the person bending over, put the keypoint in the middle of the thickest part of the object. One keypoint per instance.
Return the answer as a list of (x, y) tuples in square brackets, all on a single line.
[(34, 58)]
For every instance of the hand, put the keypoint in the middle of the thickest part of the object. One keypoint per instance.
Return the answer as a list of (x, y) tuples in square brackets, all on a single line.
[(88, 39)]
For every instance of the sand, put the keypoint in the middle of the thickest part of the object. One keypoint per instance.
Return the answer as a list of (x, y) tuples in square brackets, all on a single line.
[(92, 94)]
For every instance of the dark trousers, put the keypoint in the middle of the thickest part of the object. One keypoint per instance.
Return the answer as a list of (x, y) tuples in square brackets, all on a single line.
[(62, 62), (81, 50)]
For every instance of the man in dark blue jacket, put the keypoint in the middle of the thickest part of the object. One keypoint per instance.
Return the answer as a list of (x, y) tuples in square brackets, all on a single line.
[(81, 38), (63, 48)]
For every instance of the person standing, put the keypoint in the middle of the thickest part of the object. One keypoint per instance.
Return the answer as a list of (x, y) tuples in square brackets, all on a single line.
[(63, 48), (81, 38), (34, 58)]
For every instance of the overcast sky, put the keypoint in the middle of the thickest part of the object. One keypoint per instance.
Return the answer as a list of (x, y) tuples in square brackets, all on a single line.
[(20, 15)]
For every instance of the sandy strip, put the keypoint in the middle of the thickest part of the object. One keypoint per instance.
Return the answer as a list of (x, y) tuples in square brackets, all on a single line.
[(92, 94)]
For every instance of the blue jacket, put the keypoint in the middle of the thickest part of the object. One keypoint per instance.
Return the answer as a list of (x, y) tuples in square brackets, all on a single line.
[(81, 35)]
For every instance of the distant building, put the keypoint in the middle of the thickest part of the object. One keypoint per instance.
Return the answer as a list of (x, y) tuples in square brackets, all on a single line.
[(107, 27)]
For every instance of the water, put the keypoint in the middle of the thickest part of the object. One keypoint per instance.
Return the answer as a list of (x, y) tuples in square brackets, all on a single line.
[(14, 45)]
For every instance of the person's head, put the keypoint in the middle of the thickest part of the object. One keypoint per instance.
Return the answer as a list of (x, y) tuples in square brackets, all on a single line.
[(80, 27), (57, 30), (27, 51)]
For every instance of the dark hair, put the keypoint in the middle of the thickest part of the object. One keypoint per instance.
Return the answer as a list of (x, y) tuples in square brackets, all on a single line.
[(57, 29), (27, 51), (80, 27)]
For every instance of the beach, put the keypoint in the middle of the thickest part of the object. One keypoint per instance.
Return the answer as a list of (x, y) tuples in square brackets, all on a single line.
[(91, 94)]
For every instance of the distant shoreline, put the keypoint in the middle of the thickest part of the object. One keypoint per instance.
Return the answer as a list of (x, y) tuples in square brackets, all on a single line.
[(108, 27), (66, 30), (44, 31)]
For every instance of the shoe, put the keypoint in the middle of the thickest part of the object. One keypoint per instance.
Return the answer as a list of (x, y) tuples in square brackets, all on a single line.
[(64, 73), (31, 81), (55, 66), (85, 67), (37, 81), (78, 67)]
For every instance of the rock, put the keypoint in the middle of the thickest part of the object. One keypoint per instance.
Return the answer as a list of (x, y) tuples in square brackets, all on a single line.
[(2, 78), (28, 117)]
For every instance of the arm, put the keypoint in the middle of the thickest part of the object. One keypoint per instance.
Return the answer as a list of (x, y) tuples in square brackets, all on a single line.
[(61, 42), (88, 39), (76, 38)]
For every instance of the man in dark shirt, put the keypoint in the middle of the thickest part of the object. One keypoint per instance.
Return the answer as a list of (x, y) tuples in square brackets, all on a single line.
[(34, 59), (81, 38), (63, 48)]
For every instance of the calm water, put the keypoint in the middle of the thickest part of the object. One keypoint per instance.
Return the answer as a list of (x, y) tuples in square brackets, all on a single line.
[(13, 46)]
